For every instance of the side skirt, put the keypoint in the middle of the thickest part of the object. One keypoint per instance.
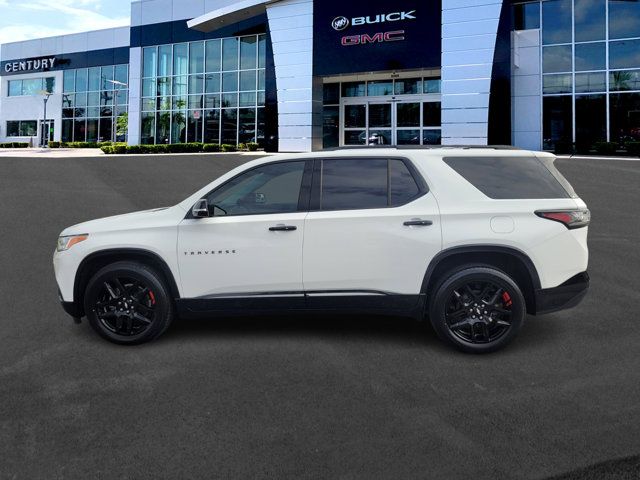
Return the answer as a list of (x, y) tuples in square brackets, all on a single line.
[(352, 303)]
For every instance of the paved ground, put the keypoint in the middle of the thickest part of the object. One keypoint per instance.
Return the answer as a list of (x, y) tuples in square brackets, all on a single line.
[(306, 398)]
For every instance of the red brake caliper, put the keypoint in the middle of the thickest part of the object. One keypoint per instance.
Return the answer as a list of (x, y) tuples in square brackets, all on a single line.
[(506, 299), (152, 297)]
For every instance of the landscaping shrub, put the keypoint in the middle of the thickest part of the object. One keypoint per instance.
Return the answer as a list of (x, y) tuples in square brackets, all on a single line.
[(633, 148), (14, 145), (606, 148), (228, 148), (563, 147), (108, 149), (252, 147), (54, 144), (118, 148), (211, 147)]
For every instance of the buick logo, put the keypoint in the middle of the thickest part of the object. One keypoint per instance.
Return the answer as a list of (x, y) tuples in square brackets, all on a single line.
[(340, 23)]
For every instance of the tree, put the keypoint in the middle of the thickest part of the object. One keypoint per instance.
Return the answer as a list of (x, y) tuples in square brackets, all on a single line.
[(122, 124)]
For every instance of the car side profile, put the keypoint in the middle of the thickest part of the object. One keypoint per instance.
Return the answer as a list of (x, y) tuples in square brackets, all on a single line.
[(472, 239)]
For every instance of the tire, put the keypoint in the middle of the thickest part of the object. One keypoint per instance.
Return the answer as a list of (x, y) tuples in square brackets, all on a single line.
[(128, 303), (477, 309)]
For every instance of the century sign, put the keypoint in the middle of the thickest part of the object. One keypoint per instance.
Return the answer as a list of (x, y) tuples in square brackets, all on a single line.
[(30, 65)]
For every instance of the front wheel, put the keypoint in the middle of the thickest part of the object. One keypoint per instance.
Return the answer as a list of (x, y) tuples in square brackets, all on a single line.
[(477, 309), (127, 303)]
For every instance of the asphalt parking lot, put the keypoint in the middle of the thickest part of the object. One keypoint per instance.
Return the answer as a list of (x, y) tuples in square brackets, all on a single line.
[(306, 397)]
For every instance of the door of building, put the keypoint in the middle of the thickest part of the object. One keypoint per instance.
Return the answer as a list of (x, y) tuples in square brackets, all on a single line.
[(44, 130), (389, 121)]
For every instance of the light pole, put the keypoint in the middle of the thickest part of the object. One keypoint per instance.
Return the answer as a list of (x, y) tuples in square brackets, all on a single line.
[(115, 91), (45, 127)]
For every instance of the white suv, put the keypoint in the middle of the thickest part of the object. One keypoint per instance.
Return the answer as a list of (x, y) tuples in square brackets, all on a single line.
[(470, 238)]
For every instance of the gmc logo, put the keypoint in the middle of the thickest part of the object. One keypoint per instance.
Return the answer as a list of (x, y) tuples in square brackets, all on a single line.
[(395, 36)]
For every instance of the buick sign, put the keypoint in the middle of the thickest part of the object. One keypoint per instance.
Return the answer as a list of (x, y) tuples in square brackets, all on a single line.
[(340, 23)]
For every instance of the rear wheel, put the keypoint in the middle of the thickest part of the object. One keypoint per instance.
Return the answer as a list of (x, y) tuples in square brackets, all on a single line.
[(477, 309), (128, 303)]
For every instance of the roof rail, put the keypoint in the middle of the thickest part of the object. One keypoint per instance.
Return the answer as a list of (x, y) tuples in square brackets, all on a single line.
[(423, 147)]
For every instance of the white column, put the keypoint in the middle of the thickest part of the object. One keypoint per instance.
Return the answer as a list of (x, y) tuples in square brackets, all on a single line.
[(291, 28), (469, 33), (135, 74)]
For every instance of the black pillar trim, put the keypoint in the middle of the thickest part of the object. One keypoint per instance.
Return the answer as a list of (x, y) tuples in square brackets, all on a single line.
[(499, 128)]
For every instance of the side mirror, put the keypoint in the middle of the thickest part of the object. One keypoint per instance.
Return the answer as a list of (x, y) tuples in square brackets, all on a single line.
[(201, 209)]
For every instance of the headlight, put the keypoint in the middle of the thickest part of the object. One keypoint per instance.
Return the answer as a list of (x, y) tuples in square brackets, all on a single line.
[(68, 241)]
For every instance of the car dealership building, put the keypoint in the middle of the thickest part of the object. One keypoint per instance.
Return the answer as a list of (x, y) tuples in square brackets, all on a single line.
[(301, 75)]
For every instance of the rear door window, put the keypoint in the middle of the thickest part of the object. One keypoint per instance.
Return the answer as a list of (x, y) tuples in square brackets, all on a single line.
[(504, 178), (355, 184)]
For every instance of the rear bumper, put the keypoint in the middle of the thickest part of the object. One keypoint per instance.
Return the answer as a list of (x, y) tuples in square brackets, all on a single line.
[(564, 296)]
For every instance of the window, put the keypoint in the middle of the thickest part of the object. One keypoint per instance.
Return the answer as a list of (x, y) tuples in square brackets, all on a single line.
[(591, 120), (625, 54), (354, 89), (22, 128), (31, 86), (402, 185), (380, 88), (13, 129), (526, 16), (556, 21), (553, 84), (557, 124), (269, 189), (509, 177), (556, 59), (354, 184), (623, 19), (590, 56), (625, 117), (408, 86), (91, 104), (624, 80), (590, 82), (366, 183), (590, 20)]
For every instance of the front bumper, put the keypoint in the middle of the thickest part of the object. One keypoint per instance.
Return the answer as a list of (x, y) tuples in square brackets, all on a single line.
[(564, 296), (70, 307)]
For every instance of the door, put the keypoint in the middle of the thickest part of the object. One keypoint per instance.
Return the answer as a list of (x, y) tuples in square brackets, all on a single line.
[(251, 245), (375, 230), (46, 132), (414, 121)]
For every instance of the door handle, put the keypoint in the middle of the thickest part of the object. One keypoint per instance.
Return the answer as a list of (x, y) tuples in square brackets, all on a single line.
[(418, 223), (283, 228)]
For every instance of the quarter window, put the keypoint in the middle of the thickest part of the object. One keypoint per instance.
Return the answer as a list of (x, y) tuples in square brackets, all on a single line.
[(273, 188)]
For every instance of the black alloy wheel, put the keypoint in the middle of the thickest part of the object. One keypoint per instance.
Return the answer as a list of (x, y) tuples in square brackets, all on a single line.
[(479, 312), (127, 303), (478, 309), (126, 306)]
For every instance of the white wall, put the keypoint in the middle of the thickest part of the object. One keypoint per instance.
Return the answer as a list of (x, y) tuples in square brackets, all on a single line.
[(469, 32), (30, 107)]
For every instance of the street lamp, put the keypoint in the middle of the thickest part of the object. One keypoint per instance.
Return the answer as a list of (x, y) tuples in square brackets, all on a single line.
[(45, 134), (116, 84)]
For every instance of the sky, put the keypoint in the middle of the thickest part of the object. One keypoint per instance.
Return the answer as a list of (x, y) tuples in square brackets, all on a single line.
[(26, 19)]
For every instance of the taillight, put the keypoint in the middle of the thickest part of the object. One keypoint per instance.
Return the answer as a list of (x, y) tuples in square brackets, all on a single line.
[(570, 218)]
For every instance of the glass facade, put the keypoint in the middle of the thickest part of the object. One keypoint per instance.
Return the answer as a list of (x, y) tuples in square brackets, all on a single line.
[(95, 104), (209, 91), (590, 69)]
